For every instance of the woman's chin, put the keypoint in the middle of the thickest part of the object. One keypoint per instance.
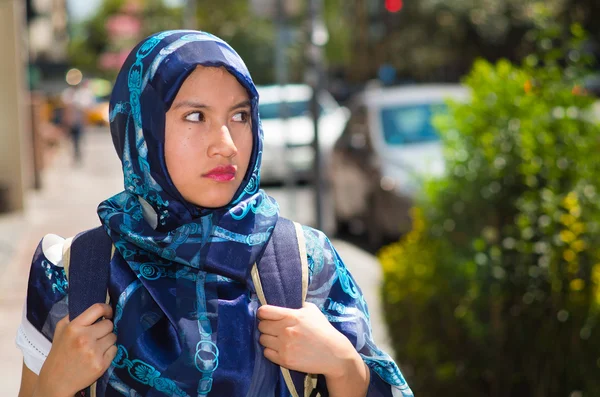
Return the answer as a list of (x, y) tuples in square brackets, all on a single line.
[(212, 202)]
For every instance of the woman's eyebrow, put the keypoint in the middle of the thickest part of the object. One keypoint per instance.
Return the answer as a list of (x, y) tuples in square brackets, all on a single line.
[(190, 104), (198, 105), (243, 104)]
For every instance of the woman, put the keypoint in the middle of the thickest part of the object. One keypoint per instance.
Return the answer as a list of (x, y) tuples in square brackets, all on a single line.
[(185, 124)]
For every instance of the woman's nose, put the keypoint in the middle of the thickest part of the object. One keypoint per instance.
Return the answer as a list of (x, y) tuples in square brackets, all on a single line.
[(222, 144)]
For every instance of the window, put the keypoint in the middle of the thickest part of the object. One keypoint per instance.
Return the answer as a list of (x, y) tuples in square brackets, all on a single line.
[(270, 111), (404, 125)]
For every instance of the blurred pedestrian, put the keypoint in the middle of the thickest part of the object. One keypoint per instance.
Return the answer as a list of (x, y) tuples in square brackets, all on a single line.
[(186, 313), (77, 100)]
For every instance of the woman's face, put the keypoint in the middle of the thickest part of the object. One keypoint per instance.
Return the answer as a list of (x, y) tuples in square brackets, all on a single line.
[(208, 137)]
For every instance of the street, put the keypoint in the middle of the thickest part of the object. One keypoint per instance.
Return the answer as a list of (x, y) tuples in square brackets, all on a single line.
[(67, 203)]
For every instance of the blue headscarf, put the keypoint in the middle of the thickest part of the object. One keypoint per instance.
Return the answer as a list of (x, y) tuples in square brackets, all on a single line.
[(169, 243)]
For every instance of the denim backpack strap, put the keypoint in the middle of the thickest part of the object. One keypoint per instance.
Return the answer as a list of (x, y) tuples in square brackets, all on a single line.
[(281, 279), (88, 270), (87, 265), (281, 267)]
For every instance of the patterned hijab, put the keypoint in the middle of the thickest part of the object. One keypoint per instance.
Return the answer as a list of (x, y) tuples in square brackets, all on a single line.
[(170, 244), (144, 90)]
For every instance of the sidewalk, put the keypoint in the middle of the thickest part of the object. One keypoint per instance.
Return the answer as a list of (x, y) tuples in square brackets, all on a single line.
[(67, 205)]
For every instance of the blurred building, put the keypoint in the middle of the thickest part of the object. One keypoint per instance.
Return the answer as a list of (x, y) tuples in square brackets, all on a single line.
[(15, 147), (48, 36), (33, 38)]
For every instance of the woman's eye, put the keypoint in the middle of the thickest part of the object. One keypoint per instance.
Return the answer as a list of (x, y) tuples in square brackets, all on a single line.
[(195, 117), (241, 117)]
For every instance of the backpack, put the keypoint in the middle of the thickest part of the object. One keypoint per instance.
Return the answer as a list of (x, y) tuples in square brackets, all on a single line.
[(280, 278)]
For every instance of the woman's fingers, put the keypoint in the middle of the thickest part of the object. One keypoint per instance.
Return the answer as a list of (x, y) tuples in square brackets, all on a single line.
[(274, 319), (274, 313), (93, 313), (269, 341), (272, 356), (106, 342), (101, 329), (62, 323), (265, 327), (273, 328), (81, 347), (109, 355)]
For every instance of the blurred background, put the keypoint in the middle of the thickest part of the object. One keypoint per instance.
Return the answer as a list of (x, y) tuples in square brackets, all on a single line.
[(451, 150)]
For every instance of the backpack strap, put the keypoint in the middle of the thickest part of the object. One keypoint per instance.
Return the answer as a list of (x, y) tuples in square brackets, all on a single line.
[(89, 271), (281, 279), (283, 267), (86, 259)]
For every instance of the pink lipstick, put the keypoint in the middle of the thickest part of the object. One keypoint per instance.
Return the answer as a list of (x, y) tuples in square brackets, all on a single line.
[(224, 173)]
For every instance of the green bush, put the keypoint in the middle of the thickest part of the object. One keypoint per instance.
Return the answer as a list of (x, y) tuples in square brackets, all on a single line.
[(495, 292)]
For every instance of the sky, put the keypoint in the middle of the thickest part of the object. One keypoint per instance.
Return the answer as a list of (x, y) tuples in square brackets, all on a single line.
[(83, 9)]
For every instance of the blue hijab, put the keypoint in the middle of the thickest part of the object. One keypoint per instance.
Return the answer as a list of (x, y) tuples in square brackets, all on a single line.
[(171, 245)]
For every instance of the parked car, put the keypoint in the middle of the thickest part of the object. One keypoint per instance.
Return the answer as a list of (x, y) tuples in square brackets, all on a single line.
[(387, 147), (287, 143), (97, 113)]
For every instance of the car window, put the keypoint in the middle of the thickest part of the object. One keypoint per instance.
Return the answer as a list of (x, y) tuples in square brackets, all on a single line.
[(269, 111), (410, 124)]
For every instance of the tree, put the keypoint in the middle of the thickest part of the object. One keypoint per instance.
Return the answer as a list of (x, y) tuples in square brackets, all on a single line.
[(252, 37), (436, 40), (496, 291), (91, 40)]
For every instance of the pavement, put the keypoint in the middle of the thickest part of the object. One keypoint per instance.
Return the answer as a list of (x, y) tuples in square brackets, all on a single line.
[(66, 205)]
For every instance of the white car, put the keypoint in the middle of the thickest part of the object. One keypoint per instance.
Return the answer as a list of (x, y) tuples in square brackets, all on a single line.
[(379, 162), (288, 143)]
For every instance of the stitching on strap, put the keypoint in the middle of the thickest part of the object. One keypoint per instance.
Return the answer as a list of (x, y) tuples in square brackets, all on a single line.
[(303, 259), (258, 285)]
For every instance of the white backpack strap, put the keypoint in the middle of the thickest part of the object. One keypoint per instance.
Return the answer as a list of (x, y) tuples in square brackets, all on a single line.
[(303, 259), (66, 258)]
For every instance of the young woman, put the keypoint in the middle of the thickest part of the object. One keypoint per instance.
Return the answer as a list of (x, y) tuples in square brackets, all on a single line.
[(183, 317)]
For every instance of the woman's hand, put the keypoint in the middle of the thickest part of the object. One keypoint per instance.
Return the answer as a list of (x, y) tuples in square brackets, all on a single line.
[(303, 340), (81, 352)]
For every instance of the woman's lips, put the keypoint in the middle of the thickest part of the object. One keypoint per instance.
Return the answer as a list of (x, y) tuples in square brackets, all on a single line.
[(224, 173)]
